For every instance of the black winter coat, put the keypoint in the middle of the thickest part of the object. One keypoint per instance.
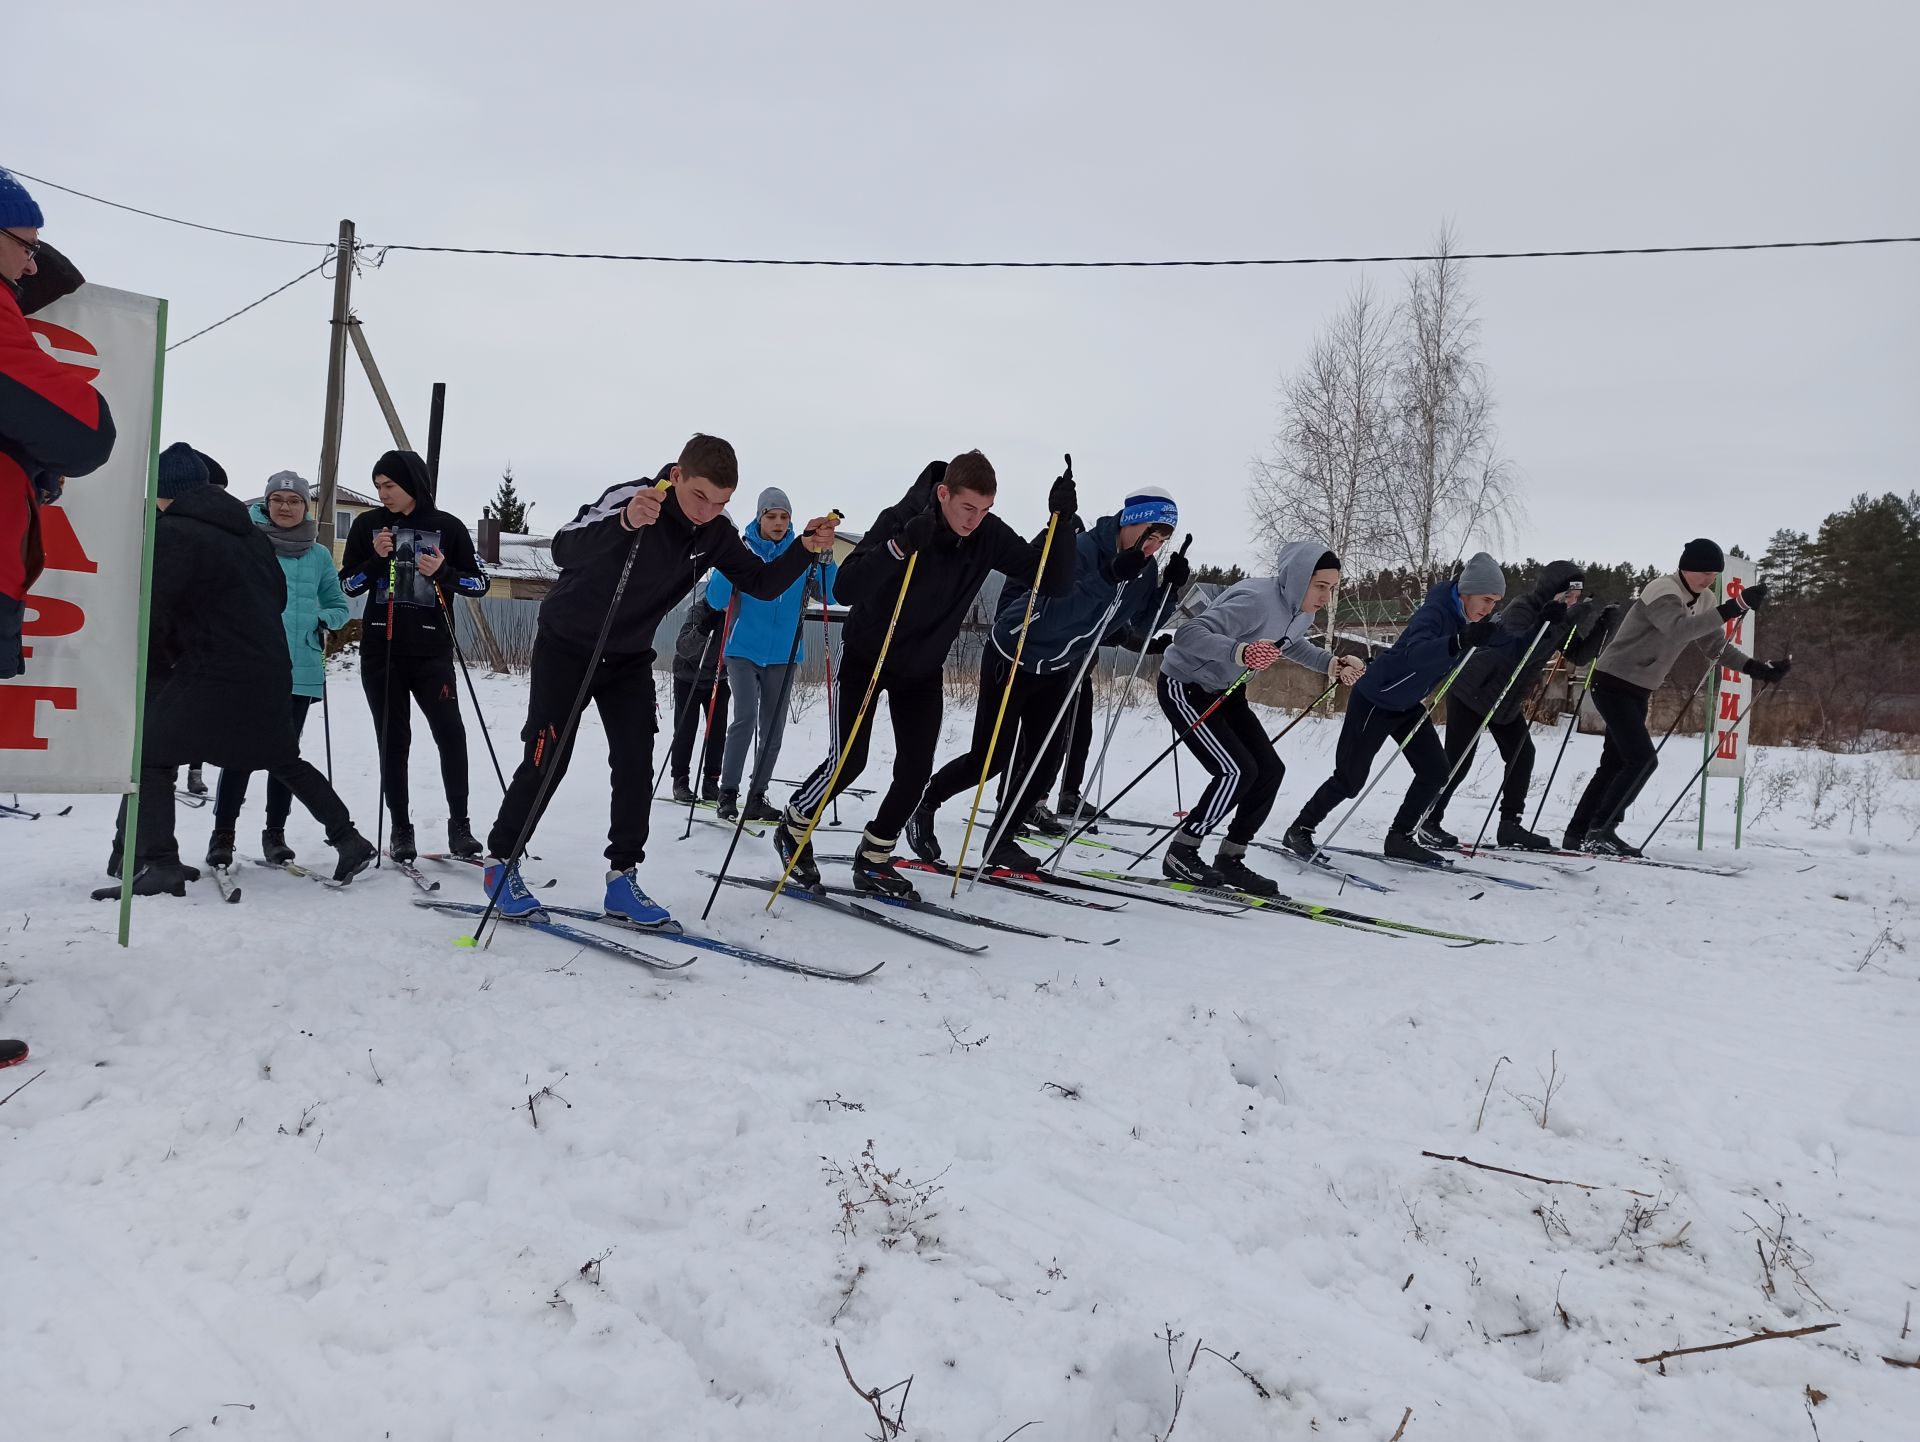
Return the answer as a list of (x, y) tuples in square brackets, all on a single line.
[(1479, 683), (946, 579), (696, 650), (218, 672)]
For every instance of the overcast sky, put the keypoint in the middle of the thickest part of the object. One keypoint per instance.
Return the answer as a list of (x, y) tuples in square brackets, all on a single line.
[(1644, 400)]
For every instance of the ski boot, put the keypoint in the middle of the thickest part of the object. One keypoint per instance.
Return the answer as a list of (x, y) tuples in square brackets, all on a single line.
[(1512, 833), (1401, 846), (273, 845), (627, 903), (357, 853), (921, 840), (12, 1053), (1074, 811), (460, 838), (1009, 856), (1299, 840), (1432, 834), (220, 849), (875, 873), (1231, 862), (795, 858), (1042, 822), (1182, 862), (682, 792), (164, 878), (400, 845), (710, 789), (196, 783), (1610, 843), (509, 893), (729, 803), (1572, 840), (758, 809)]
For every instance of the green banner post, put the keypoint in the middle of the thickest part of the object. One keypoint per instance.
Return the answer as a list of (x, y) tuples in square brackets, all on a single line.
[(130, 833)]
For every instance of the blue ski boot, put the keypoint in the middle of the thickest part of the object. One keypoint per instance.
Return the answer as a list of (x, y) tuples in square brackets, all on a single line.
[(626, 902), (509, 890)]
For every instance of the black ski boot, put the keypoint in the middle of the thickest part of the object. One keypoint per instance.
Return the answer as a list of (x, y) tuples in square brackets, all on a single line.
[(920, 837), (196, 783), (1299, 840), (875, 873), (1182, 863), (795, 858), (1610, 843), (220, 849), (682, 792), (1007, 855), (1402, 847), (1043, 822), (273, 845), (357, 853), (1231, 862), (400, 846), (729, 803), (163, 878), (1075, 812), (1431, 833), (460, 838), (759, 810), (710, 789), (1573, 840), (1512, 833)]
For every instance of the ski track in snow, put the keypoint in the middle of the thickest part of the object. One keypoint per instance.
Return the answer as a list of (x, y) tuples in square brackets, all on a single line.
[(282, 1153)]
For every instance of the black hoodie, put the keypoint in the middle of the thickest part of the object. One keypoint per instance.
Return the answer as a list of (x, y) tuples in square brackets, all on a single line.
[(419, 627), (1480, 681)]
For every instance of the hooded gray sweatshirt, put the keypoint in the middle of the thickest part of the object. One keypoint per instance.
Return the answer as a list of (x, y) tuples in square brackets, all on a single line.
[(1258, 609)]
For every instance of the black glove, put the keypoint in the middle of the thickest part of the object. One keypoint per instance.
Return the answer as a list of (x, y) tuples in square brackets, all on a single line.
[(1159, 643), (1129, 563), (1062, 499), (1176, 573), (1730, 609), (1609, 618), (1478, 633), (1772, 672), (47, 487), (11, 614), (916, 534), (1554, 611), (1755, 596)]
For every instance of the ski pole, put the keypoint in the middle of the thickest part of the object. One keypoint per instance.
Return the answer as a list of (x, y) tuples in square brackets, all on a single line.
[(1123, 698), (826, 659), (1152, 765), (1426, 719), (1506, 772), (680, 715), (1012, 814), (1153, 844), (564, 739), (386, 701), (326, 716), (453, 631), (859, 718), (713, 703), (1700, 770), (1485, 721), (762, 769), (1006, 694)]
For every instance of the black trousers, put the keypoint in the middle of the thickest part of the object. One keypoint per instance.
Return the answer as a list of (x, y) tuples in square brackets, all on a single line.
[(1232, 744), (1626, 762), (1031, 708), (1366, 729), (622, 690), (156, 841), (429, 681), (1515, 740), (916, 704), (1073, 775), (690, 702), (231, 793)]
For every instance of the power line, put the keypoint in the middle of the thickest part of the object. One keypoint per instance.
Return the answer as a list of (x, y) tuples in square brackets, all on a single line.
[(251, 304), (156, 215)]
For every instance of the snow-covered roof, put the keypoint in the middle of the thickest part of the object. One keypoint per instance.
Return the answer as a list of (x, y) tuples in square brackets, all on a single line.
[(525, 556), (342, 496)]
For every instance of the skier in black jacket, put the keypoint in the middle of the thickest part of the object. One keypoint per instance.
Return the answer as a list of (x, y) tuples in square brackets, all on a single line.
[(1577, 627), (413, 558), (946, 520), (673, 530), (697, 674), (218, 673)]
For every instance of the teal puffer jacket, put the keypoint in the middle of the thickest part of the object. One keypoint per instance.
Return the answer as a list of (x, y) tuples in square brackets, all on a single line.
[(314, 599)]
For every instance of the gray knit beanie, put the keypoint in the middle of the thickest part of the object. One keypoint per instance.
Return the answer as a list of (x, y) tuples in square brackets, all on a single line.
[(1482, 576), (773, 499)]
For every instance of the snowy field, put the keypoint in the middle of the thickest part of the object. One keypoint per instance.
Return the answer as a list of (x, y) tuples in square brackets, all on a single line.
[(282, 1178)]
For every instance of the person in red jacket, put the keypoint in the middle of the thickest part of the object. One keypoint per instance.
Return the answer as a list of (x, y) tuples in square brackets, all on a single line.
[(53, 424)]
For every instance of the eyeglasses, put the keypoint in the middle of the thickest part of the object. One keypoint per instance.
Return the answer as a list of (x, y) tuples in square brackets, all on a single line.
[(31, 247)]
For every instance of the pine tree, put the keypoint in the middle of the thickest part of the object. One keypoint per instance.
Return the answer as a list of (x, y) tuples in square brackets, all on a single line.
[(507, 508)]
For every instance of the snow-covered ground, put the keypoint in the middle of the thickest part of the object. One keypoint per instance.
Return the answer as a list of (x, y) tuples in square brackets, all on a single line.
[(281, 1177)]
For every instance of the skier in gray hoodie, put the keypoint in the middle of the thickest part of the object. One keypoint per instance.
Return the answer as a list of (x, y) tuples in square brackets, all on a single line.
[(1249, 626)]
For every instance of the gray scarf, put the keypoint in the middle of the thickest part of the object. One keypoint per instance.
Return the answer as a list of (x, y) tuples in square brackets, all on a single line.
[(290, 541)]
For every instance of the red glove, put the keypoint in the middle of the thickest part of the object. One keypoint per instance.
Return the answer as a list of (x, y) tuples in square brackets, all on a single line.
[(1258, 655)]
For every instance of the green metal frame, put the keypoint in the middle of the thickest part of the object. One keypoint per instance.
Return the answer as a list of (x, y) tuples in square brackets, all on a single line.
[(130, 833)]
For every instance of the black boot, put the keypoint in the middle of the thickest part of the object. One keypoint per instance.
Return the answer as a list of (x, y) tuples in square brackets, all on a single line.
[(729, 803), (163, 878), (759, 810), (357, 853), (1431, 833), (1231, 862), (400, 846), (196, 783), (710, 789), (920, 837), (682, 792), (1512, 833), (1572, 840), (1007, 856), (460, 838), (220, 848), (1402, 847), (1299, 840), (1043, 822), (796, 859), (1182, 862), (273, 845), (875, 873), (1609, 843)]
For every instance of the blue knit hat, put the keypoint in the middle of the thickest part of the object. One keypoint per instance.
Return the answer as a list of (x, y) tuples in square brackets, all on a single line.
[(1150, 505), (17, 210), (181, 470)]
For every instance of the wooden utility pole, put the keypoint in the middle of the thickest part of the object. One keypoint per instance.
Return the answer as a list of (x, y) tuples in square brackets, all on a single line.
[(336, 384), (387, 408)]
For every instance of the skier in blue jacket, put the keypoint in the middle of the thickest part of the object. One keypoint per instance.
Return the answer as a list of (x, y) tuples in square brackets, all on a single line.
[(1386, 704), (758, 645)]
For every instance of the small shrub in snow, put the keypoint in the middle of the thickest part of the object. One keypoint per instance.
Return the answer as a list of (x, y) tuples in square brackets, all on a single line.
[(892, 1205)]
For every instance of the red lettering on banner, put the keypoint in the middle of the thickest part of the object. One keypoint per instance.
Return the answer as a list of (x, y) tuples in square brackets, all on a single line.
[(59, 338), (1729, 749), (1729, 706), (50, 616), (17, 713), (62, 543)]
